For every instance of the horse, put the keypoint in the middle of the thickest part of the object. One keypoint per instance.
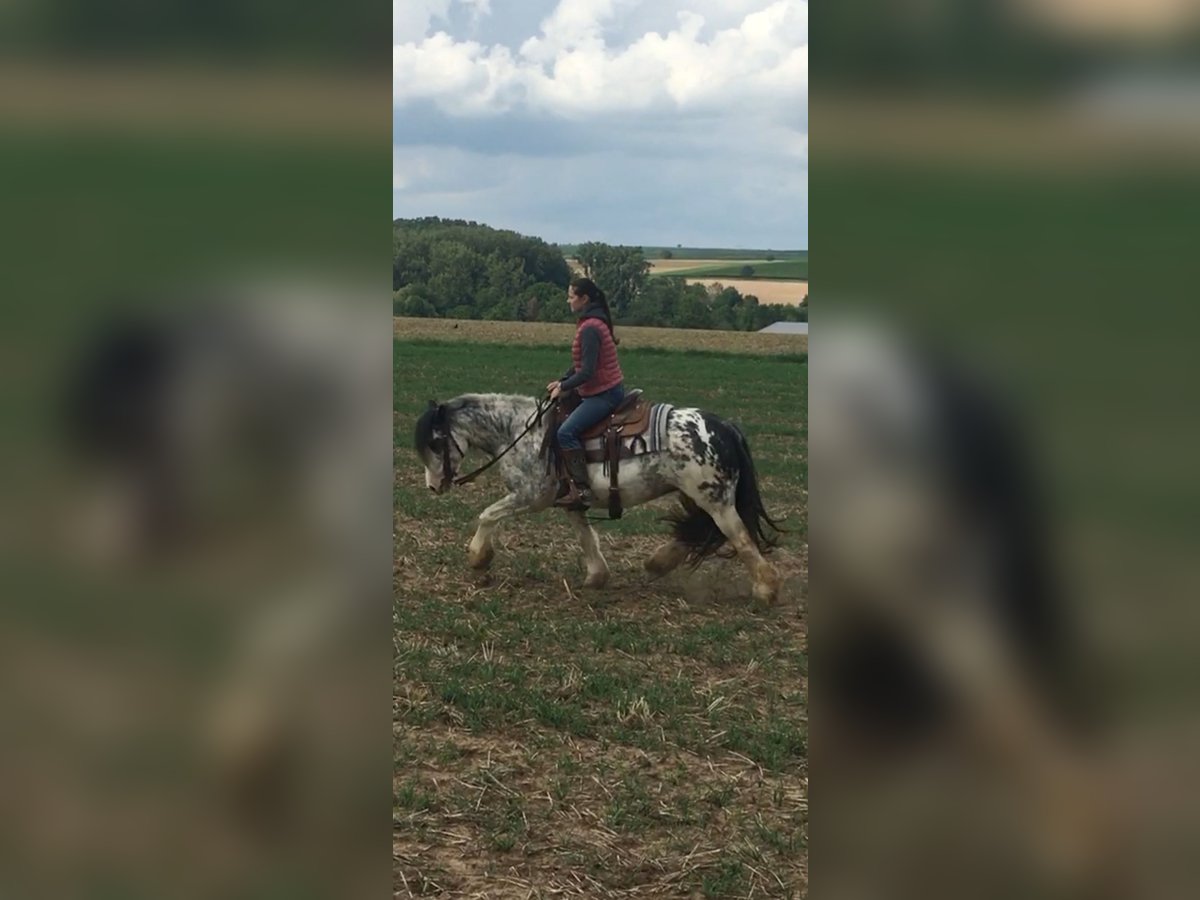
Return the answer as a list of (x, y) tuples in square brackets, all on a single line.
[(945, 636), (702, 457)]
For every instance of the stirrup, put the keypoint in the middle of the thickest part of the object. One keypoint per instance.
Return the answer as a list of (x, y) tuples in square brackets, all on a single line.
[(572, 499)]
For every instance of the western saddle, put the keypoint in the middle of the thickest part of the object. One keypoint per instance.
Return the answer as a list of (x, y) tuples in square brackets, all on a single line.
[(629, 420)]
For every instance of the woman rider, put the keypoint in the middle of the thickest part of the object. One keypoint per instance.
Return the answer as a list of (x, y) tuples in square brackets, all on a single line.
[(595, 375)]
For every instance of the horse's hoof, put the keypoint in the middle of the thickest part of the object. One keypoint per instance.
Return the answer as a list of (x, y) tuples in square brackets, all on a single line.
[(658, 565), (596, 580), (666, 559), (766, 595), (655, 566), (482, 559)]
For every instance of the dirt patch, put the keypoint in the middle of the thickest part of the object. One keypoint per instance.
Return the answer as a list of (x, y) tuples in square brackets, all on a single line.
[(516, 814)]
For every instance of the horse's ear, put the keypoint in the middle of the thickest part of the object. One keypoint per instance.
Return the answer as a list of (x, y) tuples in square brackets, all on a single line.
[(439, 412)]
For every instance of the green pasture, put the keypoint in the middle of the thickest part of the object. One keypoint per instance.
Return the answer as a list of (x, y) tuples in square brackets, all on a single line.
[(775, 270), (648, 735)]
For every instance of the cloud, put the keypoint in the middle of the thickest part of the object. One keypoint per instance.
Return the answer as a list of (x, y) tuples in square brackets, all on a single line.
[(612, 196), (569, 70), (573, 24), (439, 170), (654, 121), (411, 18)]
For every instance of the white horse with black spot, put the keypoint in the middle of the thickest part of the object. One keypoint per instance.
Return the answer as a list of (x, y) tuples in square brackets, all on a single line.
[(702, 457)]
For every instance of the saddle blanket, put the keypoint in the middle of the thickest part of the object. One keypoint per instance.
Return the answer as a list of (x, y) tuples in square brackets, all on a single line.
[(652, 440)]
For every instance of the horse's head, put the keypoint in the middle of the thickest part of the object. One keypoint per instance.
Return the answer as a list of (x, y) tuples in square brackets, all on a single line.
[(438, 449)]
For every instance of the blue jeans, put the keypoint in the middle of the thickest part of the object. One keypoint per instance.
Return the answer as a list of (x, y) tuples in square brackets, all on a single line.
[(590, 411)]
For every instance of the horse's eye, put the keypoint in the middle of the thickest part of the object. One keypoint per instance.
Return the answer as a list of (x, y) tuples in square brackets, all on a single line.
[(436, 445)]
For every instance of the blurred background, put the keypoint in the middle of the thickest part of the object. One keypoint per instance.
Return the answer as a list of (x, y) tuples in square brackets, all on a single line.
[(1004, 196), (195, 631), (195, 637)]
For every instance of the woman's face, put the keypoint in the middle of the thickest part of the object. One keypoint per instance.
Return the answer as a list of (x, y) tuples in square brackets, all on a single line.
[(576, 301)]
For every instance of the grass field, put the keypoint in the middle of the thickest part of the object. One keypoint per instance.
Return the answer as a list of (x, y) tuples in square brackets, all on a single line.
[(723, 253), (647, 739), (706, 253), (777, 269)]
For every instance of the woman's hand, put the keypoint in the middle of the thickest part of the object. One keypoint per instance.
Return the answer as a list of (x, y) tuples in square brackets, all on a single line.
[(555, 388)]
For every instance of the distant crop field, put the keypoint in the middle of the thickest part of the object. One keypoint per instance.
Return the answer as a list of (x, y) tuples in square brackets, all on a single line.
[(671, 266), (773, 269), (722, 253), (789, 292), (705, 253), (559, 335), (646, 739)]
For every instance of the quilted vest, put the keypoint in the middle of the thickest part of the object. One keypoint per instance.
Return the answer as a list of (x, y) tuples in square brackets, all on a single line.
[(608, 370)]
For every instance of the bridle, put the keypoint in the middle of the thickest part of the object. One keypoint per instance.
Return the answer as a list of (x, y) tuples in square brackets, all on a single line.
[(447, 473), (448, 478)]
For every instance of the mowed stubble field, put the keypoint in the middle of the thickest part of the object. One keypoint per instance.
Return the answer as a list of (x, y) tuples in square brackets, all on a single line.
[(648, 739), (557, 334)]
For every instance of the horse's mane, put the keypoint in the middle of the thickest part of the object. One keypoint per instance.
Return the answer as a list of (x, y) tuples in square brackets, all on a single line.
[(423, 435), (436, 414)]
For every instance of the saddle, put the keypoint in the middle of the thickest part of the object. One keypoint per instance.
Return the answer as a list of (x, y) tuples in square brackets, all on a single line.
[(629, 420)]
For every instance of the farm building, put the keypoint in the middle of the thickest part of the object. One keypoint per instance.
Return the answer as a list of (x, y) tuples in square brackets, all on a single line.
[(785, 328)]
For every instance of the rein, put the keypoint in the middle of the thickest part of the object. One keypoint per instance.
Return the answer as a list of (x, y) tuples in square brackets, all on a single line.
[(532, 422)]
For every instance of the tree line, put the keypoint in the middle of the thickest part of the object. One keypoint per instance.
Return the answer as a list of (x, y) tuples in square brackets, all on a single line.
[(457, 269)]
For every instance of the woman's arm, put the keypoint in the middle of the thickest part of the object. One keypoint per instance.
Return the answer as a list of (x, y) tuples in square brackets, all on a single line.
[(589, 345)]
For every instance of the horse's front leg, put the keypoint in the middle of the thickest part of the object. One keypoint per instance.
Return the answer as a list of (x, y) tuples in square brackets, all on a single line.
[(597, 568), (480, 551)]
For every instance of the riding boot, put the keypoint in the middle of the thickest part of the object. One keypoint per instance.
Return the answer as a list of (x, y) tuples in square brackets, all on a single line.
[(579, 491)]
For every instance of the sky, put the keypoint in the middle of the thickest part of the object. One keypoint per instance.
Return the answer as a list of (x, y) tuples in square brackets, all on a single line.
[(641, 122)]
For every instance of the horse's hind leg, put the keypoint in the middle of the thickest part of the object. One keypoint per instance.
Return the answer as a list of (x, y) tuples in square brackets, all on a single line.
[(669, 556), (762, 573), (666, 558), (597, 568)]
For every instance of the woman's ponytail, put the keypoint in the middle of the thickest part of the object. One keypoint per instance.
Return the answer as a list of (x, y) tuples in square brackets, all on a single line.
[(608, 317)]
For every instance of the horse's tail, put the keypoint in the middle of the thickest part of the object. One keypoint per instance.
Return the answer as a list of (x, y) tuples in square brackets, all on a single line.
[(764, 530), (695, 529)]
